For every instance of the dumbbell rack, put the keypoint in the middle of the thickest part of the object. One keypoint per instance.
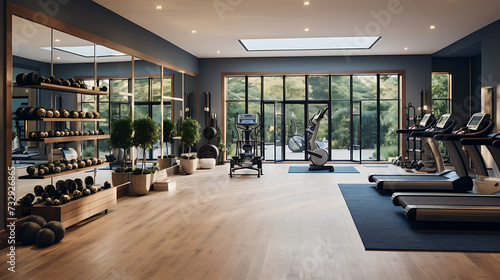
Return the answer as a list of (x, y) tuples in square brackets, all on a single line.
[(84, 207)]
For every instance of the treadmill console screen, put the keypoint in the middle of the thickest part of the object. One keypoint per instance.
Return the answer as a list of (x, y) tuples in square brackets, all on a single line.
[(425, 119), (477, 120), (248, 119), (443, 120)]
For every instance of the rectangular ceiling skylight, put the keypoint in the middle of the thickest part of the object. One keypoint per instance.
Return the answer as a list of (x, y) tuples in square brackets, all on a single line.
[(307, 44)]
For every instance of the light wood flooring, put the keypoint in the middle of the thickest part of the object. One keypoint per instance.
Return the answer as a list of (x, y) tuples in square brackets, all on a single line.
[(279, 226)]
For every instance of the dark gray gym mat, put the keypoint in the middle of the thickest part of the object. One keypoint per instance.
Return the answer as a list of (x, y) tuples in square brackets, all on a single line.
[(383, 226)]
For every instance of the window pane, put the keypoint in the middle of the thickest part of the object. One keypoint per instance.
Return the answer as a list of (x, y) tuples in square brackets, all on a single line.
[(156, 89), (388, 126), (389, 86), (296, 88), (104, 114), (167, 110), (101, 84), (104, 148), (87, 98), (295, 138), (318, 87), (364, 87), (124, 110), (236, 88), (369, 130), (87, 149), (273, 88), (115, 111), (254, 88), (440, 86), (141, 111), (440, 107), (254, 107), (231, 133), (341, 134), (141, 90), (341, 87), (167, 86), (117, 87)]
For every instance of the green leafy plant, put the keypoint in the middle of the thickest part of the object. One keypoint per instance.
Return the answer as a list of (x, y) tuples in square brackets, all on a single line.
[(220, 146), (122, 137), (147, 133), (190, 132), (168, 133)]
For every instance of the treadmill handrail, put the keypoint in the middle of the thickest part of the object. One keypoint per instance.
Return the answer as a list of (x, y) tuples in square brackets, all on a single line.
[(407, 130), (445, 130), (456, 137)]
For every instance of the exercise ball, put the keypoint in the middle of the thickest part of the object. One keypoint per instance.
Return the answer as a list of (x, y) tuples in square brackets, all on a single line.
[(45, 237), (27, 232), (37, 219), (58, 229)]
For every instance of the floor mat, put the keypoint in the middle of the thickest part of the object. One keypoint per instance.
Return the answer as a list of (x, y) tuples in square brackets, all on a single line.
[(337, 169)]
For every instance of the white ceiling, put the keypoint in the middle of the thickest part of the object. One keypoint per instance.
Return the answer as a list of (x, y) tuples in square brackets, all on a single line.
[(401, 23)]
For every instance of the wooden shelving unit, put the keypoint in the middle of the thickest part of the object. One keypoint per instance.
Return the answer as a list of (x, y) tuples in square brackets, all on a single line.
[(64, 172), (53, 87), (63, 120), (67, 138), (75, 210)]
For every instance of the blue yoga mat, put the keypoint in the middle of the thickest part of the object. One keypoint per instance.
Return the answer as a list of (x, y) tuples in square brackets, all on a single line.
[(383, 226), (337, 169)]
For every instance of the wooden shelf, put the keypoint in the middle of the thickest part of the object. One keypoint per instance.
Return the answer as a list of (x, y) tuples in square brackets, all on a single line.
[(71, 120), (76, 210), (63, 120), (66, 138), (63, 88), (64, 172)]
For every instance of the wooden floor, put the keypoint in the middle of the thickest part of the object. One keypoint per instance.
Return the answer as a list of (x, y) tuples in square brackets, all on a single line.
[(279, 226)]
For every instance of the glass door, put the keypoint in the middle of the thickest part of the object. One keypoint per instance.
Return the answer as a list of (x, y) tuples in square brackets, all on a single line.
[(273, 131)]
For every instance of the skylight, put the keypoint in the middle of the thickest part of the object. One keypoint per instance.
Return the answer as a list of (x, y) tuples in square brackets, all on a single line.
[(307, 44)]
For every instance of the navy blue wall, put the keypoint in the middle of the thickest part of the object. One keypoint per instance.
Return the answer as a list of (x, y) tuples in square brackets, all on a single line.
[(486, 41), (94, 18), (417, 67)]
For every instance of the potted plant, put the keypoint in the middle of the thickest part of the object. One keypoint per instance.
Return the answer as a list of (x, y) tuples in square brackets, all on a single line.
[(121, 138), (190, 134), (168, 133), (146, 134)]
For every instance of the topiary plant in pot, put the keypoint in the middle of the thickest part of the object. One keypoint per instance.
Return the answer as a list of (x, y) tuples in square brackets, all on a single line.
[(168, 133), (146, 134), (190, 135), (121, 138)]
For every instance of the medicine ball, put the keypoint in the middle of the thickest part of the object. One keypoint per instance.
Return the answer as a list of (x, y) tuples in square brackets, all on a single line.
[(40, 112), (38, 190), (27, 232), (58, 229), (36, 219), (31, 170), (45, 237)]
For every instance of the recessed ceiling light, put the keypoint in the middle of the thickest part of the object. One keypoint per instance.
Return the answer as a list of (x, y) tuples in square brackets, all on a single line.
[(57, 40), (193, 31), (218, 51), (159, 7), (306, 30), (58, 57), (306, 3), (406, 48), (432, 27), (299, 44)]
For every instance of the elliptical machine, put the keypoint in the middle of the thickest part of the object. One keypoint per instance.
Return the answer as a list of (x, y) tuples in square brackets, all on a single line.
[(247, 145), (317, 155)]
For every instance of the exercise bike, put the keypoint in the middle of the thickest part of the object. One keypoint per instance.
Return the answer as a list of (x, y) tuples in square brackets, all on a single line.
[(317, 155), (297, 143), (248, 157)]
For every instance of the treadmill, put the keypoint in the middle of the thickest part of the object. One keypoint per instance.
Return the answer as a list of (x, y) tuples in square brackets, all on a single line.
[(448, 207), (457, 180)]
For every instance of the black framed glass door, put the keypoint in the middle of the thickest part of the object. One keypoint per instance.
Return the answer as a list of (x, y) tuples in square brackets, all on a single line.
[(272, 131)]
